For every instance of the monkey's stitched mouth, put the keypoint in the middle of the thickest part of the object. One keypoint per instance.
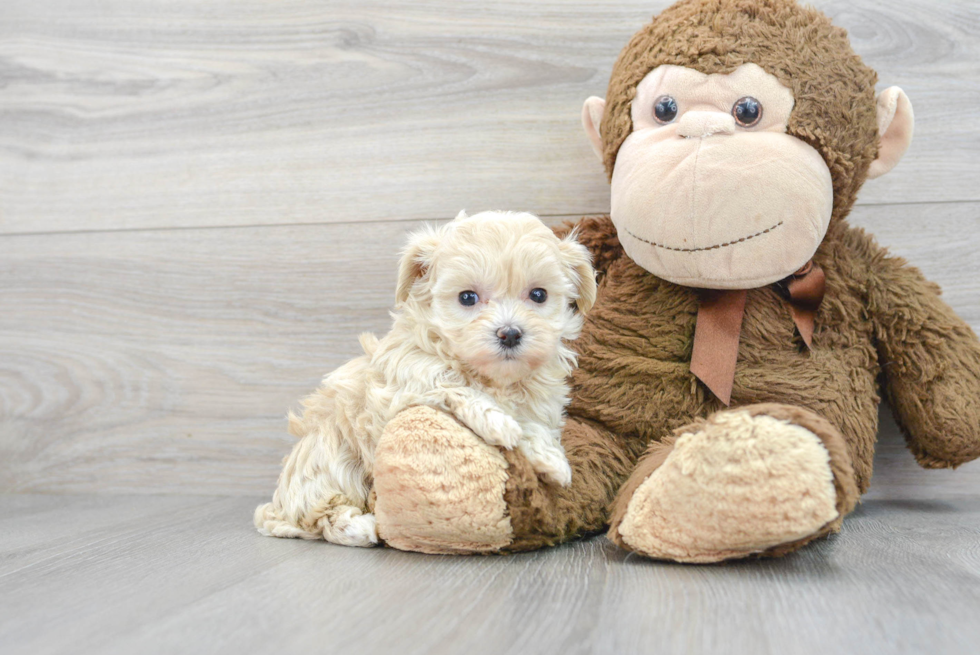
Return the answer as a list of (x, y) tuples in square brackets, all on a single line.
[(714, 247)]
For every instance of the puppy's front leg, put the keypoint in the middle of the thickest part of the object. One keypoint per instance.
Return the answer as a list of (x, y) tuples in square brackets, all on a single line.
[(544, 452), (479, 413)]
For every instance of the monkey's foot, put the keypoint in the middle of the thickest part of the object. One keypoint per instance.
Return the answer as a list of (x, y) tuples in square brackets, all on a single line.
[(438, 488), (762, 479)]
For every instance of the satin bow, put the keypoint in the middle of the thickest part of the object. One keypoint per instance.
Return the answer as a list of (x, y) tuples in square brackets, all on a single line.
[(719, 325)]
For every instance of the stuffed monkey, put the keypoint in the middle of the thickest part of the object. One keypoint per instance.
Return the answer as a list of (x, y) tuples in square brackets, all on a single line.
[(726, 399)]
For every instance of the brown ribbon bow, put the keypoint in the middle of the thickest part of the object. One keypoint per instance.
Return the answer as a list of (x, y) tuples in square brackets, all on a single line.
[(719, 325)]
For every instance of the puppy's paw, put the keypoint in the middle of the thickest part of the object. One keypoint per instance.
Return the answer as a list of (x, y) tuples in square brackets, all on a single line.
[(559, 471), (270, 523), (550, 461), (499, 429), (352, 528)]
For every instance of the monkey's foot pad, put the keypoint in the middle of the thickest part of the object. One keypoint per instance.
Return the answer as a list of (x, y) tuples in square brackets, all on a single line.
[(439, 488), (734, 485)]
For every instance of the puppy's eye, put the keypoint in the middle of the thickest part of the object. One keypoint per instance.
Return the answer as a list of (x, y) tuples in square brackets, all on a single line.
[(468, 298), (538, 295), (747, 111), (665, 109)]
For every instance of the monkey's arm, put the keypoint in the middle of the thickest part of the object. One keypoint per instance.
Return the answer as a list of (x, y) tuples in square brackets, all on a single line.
[(598, 234), (931, 363)]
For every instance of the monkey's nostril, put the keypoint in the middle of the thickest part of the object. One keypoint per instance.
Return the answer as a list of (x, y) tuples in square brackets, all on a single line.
[(509, 337)]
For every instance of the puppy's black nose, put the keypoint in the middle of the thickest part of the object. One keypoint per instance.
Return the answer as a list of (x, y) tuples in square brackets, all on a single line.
[(509, 337)]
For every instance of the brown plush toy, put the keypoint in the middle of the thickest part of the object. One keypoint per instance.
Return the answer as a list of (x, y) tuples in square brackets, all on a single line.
[(726, 400)]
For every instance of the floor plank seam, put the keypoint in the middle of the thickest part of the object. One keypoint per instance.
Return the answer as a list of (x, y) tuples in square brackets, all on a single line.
[(373, 221)]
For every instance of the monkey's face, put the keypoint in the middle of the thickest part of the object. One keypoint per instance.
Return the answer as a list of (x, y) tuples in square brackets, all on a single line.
[(709, 190)]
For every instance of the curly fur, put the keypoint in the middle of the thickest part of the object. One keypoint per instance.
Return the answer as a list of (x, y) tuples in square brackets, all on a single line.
[(445, 355)]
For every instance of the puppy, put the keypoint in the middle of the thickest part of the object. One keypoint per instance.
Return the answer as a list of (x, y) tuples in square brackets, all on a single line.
[(485, 305)]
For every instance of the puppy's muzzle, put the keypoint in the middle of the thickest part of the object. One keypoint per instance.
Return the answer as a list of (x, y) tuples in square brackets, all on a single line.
[(509, 337)]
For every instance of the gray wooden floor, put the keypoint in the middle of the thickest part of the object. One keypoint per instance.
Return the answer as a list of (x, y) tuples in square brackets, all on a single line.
[(187, 574), (201, 205)]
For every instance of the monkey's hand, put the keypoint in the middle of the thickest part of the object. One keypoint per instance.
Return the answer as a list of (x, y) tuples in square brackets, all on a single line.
[(931, 363)]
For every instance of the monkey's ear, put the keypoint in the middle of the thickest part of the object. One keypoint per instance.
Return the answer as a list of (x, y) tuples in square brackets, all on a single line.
[(416, 259), (578, 263), (592, 112), (896, 123)]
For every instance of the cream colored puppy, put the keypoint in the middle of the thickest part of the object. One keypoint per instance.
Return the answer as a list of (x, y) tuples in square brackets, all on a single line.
[(485, 305)]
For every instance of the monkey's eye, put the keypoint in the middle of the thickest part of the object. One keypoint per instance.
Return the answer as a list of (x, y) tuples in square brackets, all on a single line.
[(468, 298), (538, 295), (665, 109), (747, 111)]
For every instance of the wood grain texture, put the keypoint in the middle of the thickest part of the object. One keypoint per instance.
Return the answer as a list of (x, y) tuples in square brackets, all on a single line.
[(151, 574), (138, 113), (131, 359), (165, 361)]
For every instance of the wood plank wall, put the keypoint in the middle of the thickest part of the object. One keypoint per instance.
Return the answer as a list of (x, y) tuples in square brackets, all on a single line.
[(201, 203)]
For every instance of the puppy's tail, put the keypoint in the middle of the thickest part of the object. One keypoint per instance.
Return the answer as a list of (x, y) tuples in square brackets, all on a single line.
[(369, 343), (297, 427)]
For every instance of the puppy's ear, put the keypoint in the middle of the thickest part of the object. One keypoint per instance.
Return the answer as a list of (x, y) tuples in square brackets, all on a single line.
[(578, 267), (416, 259)]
